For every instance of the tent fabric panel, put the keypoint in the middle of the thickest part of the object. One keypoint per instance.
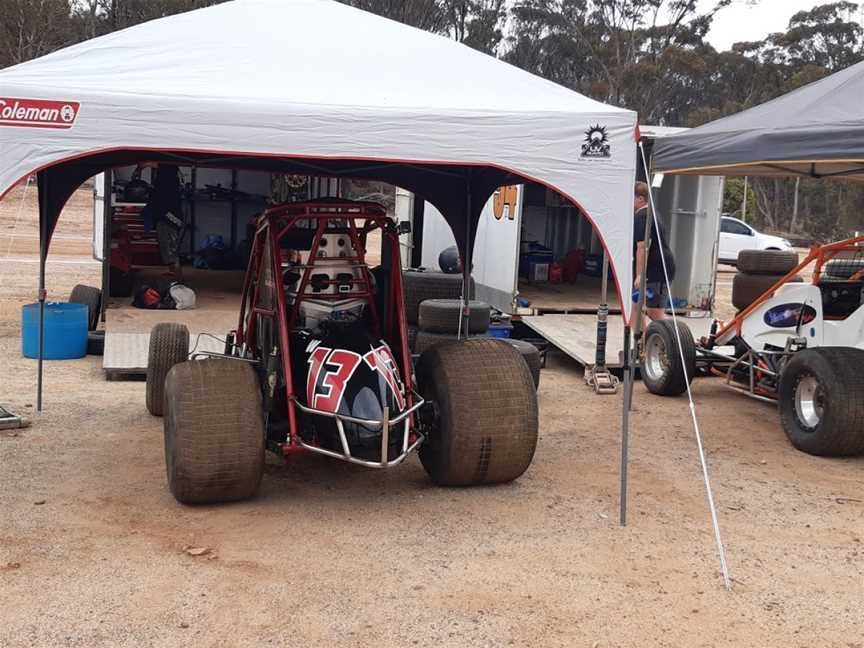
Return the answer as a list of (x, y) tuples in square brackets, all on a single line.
[(818, 124), (215, 82)]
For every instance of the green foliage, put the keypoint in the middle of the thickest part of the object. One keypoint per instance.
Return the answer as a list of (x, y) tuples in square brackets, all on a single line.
[(733, 198)]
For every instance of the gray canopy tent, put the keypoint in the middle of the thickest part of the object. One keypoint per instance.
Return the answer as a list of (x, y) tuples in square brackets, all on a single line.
[(816, 131)]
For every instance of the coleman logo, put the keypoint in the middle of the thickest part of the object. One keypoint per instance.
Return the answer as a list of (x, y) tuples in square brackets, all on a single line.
[(596, 143), (38, 113)]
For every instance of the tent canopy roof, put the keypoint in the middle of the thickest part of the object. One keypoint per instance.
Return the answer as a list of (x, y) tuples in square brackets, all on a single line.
[(314, 52), (816, 131), (319, 87)]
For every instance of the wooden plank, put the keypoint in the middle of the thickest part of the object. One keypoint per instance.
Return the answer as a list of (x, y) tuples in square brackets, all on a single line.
[(580, 297), (576, 335), (126, 353)]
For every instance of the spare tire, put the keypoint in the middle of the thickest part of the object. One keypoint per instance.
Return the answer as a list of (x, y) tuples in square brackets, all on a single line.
[(443, 316), (746, 288), (426, 340), (90, 297), (767, 262), (412, 338), (96, 342), (530, 354), (842, 268), (420, 285)]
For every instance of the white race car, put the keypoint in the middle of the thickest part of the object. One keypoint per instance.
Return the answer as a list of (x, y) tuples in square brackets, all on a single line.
[(800, 344)]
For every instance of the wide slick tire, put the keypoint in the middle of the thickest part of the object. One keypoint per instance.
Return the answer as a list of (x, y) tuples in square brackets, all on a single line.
[(169, 345), (747, 288), (772, 262), (444, 315), (486, 426), (821, 401), (530, 354), (662, 369), (90, 297), (214, 431)]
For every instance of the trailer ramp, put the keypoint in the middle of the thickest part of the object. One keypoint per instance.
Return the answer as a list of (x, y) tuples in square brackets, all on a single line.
[(576, 335)]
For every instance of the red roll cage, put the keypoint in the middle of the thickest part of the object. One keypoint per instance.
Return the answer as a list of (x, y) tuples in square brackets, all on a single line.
[(264, 292)]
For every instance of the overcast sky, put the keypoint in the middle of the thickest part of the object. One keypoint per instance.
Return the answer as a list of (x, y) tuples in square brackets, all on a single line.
[(743, 22)]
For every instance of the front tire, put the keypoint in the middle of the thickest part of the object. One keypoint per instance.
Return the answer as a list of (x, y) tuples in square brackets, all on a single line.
[(214, 431), (662, 369), (169, 345), (821, 401), (487, 420)]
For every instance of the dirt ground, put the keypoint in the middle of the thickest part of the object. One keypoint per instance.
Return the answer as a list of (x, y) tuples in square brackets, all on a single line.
[(92, 545)]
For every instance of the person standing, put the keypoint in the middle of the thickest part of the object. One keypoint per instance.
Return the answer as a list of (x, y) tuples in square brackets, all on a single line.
[(657, 297), (164, 213)]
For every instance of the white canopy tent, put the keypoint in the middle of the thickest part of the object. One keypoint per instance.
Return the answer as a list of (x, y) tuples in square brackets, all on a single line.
[(320, 88), (315, 80)]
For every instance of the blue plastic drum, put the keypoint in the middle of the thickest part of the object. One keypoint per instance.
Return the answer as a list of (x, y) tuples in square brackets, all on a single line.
[(65, 331)]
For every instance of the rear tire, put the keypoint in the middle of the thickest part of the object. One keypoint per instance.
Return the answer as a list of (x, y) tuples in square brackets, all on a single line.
[(662, 370), (821, 401), (747, 288), (487, 424), (169, 345), (90, 297), (214, 431), (96, 343), (530, 354), (772, 262), (444, 315)]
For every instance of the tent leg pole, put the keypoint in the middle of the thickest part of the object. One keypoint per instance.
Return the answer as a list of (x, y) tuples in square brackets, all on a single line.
[(42, 185), (625, 425), (466, 265)]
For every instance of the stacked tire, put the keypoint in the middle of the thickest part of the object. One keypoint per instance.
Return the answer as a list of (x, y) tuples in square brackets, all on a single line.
[(758, 271), (420, 285), (440, 321)]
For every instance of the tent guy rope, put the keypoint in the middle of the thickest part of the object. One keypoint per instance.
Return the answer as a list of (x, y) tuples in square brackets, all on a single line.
[(692, 406)]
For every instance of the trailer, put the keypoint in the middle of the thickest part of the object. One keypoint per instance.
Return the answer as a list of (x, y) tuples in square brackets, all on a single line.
[(527, 234)]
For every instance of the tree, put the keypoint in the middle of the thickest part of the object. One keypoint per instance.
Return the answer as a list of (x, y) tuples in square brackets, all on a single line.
[(477, 23), (92, 18), (647, 55), (32, 28)]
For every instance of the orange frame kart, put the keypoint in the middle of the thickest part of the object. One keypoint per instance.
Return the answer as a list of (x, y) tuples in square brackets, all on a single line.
[(799, 344)]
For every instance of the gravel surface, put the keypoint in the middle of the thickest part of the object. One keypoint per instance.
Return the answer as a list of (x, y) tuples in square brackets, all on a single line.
[(95, 552)]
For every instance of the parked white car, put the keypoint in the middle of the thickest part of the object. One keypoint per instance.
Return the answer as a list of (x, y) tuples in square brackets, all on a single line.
[(736, 235)]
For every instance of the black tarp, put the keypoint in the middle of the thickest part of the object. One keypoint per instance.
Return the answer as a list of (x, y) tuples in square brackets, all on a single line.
[(815, 131)]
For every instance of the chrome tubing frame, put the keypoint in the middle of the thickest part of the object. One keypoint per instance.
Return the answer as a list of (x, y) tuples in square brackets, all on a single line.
[(386, 423)]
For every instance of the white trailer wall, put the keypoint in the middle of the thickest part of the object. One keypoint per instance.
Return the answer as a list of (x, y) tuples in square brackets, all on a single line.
[(689, 207), (496, 246)]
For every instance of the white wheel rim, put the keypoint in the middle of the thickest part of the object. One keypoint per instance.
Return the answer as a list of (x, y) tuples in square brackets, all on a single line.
[(808, 401), (656, 360)]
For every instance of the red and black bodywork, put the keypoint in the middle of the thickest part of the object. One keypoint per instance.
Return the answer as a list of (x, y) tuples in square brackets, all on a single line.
[(328, 335)]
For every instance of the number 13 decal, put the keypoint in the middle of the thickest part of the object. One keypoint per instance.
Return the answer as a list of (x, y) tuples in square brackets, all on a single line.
[(329, 373)]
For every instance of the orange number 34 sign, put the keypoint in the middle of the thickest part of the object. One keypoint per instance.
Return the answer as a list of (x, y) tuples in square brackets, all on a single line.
[(504, 202)]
